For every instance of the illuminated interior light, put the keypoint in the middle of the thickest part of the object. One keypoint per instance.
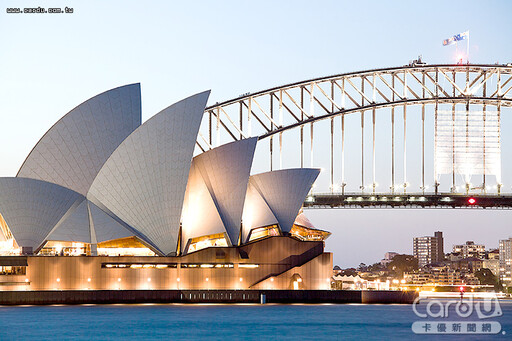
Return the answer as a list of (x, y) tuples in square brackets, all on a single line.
[(136, 266), (88, 279), (207, 279), (241, 279), (248, 266), (260, 232), (212, 240), (58, 279), (161, 266), (119, 279), (308, 234), (207, 265), (177, 279), (149, 279), (26, 280), (271, 279)]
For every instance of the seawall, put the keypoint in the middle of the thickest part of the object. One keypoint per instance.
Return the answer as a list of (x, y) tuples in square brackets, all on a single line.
[(203, 296)]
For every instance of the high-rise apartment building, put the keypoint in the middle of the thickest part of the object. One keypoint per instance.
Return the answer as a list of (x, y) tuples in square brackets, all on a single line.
[(506, 261), (470, 249), (428, 249)]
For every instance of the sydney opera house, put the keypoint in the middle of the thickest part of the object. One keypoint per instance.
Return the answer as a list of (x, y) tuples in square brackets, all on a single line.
[(106, 202)]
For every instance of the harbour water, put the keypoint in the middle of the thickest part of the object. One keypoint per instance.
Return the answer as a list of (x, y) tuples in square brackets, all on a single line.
[(224, 322)]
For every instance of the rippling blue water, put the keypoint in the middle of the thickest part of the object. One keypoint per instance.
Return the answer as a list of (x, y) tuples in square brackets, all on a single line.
[(253, 322)]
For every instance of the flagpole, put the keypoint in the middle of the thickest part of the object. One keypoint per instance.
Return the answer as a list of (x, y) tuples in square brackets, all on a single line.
[(468, 47)]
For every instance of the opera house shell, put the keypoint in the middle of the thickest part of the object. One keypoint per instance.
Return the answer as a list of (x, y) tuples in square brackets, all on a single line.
[(137, 210)]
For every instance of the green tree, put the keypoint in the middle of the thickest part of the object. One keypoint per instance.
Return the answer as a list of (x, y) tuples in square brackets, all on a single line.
[(486, 277), (348, 272), (403, 263), (376, 267)]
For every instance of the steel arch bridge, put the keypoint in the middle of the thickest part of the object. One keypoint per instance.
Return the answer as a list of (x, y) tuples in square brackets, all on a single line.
[(372, 112)]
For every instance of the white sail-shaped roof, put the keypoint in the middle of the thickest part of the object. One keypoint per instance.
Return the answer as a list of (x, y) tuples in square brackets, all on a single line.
[(144, 180), (302, 220), (283, 192), (75, 227), (216, 189), (32, 208), (72, 152), (106, 227), (200, 217), (256, 212)]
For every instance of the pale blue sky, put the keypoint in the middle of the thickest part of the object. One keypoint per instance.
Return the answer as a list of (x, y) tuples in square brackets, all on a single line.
[(51, 63)]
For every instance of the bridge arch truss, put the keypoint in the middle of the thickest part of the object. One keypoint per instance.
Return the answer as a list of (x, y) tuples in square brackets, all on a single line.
[(354, 101)]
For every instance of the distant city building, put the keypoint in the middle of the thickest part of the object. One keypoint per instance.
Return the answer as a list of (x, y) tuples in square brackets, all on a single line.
[(493, 254), (388, 257), (506, 261), (470, 249), (467, 265), (428, 249), (493, 265), (454, 256), (492, 261), (440, 275), (349, 283), (340, 282)]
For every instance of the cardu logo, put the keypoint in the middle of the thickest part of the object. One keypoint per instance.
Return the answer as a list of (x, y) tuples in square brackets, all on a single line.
[(467, 316)]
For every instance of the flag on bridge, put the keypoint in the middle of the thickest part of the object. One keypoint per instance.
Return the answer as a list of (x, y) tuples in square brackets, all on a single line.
[(456, 38)]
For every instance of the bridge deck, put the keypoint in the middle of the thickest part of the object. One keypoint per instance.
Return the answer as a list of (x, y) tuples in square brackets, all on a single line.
[(413, 200)]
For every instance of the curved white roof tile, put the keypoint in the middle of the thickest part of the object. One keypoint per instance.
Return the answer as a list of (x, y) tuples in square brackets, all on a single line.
[(284, 192), (32, 208), (72, 151), (225, 172), (144, 180)]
